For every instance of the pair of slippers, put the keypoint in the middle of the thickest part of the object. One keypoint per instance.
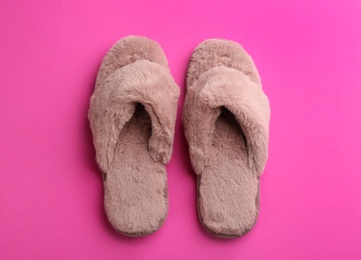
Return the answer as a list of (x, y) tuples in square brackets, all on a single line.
[(226, 122)]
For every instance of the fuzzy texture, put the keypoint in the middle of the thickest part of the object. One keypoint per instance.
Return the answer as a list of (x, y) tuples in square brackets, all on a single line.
[(226, 121), (113, 104), (132, 116)]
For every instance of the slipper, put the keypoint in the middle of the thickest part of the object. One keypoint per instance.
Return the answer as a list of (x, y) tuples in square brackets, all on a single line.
[(226, 122), (132, 116)]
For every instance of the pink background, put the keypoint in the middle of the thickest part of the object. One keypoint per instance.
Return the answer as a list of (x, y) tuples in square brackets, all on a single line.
[(309, 57)]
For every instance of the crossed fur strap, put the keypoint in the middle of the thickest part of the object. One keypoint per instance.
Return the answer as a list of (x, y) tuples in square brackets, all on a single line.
[(113, 105), (243, 97)]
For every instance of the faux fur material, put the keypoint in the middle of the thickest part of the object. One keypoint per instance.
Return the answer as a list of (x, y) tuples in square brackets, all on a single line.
[(113, 104), (132, 115), (226, 121)]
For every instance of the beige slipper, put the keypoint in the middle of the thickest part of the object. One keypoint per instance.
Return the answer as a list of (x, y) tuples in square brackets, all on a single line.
[(132, 116), (226, 121)]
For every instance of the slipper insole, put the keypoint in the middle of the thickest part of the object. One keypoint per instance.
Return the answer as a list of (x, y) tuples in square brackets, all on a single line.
[(136, 198), (228, 190)]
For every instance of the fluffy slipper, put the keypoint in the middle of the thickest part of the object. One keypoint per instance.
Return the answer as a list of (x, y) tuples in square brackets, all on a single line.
[(132, 116), (226, 122)]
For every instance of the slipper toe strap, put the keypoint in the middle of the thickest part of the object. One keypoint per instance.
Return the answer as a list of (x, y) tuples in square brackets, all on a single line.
[(113, 105), (244, 98)]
